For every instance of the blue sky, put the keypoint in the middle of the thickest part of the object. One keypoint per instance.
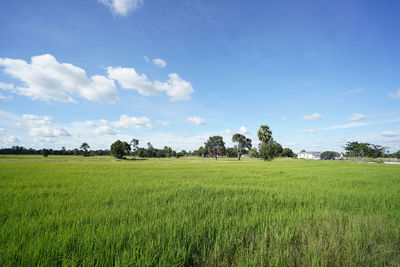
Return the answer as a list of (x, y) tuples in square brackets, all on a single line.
[(319, 73)]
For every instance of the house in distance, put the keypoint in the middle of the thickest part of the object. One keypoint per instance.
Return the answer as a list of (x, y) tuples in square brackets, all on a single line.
[(309, 155)]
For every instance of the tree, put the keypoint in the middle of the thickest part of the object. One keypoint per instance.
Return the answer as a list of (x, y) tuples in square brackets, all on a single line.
[(85, 147), (264, 134), (231, 152), (215, 145), (287, 152), (45, 152), (329, 154), (269, 150), (302, 151), (63, 150), (120, 149), (150, 150), (253, 153), (243, 144), (134, 145)]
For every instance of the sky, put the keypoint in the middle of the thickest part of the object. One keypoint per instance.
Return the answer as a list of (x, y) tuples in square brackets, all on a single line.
[(318, 73)]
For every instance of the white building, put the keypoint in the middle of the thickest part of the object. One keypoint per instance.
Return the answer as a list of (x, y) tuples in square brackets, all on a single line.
[(309, 155)]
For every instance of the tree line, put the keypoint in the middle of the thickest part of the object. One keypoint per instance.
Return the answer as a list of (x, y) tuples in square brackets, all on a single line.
[(213, 147)]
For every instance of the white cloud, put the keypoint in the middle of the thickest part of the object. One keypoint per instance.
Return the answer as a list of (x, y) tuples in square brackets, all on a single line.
[(395, 95), (146, 59), (314, 116), (357, 117), (12, 139), (122, 7), (389, 134), (228, 131), (48, 131), (196, 120), (159, 62), (308, 131), (243, 130), (47, 79), (42, 126), (283, 118), (104, 130), (126, 121), (163, 123), (176, 88), (354, 91)]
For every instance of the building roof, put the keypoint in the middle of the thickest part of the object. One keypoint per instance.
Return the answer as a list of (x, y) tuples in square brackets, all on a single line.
[(310, 152)]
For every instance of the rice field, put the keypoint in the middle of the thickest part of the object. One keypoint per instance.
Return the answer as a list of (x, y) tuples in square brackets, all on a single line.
[(69, 210)]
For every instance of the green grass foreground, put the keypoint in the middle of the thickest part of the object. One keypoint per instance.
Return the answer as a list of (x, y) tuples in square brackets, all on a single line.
[(100, 211)]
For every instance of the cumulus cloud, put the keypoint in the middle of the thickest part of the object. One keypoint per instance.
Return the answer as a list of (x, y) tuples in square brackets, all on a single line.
[(283, 118), (47, 79), (159, 62), (243, 130), (42, 126), (48, 131), (104, 130), (126, 121), (357, 117), (395, 95), (196, 120), (228, 131), (175, 87), (122, 7), (11, 139), (314, 116)]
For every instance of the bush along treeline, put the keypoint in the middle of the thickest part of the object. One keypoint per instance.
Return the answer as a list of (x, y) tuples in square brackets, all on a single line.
[(20, 150)]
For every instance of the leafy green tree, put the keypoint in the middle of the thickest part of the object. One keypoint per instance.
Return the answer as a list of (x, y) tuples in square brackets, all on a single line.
[(134, 145), (243, 144), (302, 151), (287, 152), (120, 149), (215, 145), (45, 152), (264, 134), (269, 150), (231, 152), (253, 153), (85, 147), (150, 150), (142, 152)]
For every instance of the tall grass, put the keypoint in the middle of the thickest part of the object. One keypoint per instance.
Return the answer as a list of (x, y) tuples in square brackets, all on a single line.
[(99, 211)]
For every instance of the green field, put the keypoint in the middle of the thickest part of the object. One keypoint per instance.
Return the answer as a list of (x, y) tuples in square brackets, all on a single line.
[(100, 211)]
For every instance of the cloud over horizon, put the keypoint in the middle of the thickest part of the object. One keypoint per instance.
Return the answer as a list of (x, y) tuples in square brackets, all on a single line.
[(47, 79)]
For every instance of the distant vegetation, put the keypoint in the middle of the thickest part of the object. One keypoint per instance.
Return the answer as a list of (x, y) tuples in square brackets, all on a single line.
[(214, 147)]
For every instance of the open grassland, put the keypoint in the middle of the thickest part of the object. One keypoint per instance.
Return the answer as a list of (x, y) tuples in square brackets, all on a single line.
[(100, 211)]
